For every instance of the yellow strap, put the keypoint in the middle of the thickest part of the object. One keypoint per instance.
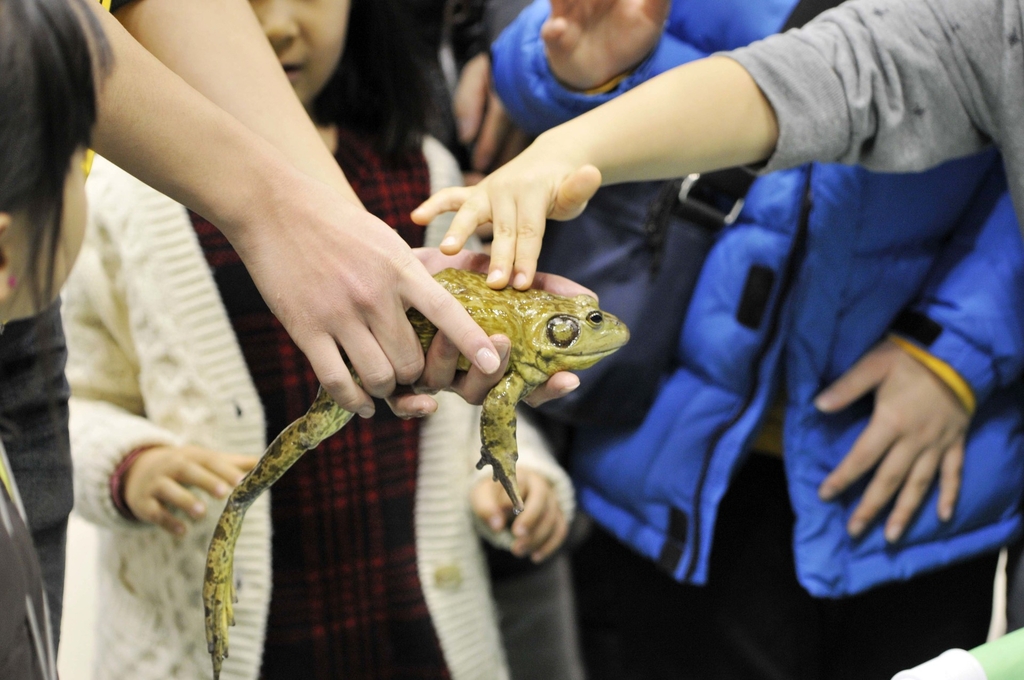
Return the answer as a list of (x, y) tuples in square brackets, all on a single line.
[(769, 438), (944, 371), (6, 478), (89, 153), (610, 85)]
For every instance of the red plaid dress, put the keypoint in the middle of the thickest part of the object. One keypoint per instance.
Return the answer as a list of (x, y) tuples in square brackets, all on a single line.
[(347, 601)]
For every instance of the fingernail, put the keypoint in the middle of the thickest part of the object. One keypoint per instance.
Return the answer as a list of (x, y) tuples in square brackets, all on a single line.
[(945, 513), (519, 281), (496, 522), (367, 412), (893, 533), (495, 276), (198, 509), (220, 490), (827, 492), (519, 530), (822, 403), (448, 242), (487, 360), (856, 527), (570, 388)]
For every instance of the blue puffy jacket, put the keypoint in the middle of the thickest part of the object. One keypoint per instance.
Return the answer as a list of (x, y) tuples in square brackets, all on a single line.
[(939, 251)]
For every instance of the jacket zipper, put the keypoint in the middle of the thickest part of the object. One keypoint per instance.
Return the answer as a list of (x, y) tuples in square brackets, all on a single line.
[(784, 286)]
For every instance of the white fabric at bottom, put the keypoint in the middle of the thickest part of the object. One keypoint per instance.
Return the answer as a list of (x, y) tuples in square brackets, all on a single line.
[(956, 664)]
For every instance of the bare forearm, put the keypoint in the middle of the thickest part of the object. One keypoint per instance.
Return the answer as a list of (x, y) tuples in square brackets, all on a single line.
[(335, 276), (171, 137), (237, 71), (702, 116)]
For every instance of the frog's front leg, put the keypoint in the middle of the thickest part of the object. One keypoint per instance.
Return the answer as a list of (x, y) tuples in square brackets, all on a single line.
[(498, 434)]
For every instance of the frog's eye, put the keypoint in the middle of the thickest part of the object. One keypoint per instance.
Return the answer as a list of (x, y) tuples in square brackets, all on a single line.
[(595, 318), (563, 331)]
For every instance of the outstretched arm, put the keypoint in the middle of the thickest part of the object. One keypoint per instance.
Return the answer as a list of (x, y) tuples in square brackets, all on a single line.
[(897, 86), (637, 136)]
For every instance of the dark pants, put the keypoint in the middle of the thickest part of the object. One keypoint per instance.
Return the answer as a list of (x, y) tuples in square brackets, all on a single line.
[(34, 426), (1015, 587), (753, 620), (537, 622)]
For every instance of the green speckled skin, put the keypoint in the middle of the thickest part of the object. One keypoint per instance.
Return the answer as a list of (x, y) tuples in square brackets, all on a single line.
[(549, 333)]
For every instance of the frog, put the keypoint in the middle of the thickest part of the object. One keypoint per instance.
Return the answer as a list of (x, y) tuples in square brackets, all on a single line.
[(548, 333)]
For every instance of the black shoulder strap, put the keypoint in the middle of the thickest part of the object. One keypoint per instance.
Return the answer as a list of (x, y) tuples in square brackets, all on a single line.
[(806, 10), (712, 200)]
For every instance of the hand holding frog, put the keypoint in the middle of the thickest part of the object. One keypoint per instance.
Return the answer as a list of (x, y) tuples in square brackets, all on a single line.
[(439, 372)]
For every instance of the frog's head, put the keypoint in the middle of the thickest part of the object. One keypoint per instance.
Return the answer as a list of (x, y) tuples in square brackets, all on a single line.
[(576, 334)]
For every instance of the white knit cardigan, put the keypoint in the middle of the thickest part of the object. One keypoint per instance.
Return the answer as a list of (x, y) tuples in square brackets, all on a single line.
[(153, 360)]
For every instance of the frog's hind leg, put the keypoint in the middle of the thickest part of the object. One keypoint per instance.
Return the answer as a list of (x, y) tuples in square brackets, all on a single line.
[(498, 434), (323, 419)]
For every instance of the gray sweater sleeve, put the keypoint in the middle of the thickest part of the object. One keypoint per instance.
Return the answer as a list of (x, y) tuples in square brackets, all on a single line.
[(896, 85)]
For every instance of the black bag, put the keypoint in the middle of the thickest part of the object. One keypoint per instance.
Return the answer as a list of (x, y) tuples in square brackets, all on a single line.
[(641, 247)]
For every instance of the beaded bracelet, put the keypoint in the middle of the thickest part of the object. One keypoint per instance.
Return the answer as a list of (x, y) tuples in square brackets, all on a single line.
[(117, 482)]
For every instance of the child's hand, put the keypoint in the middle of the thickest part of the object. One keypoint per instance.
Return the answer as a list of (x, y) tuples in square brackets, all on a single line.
[(159, 478), (590, 42), (541, 182), (539, 529), (916, 430)]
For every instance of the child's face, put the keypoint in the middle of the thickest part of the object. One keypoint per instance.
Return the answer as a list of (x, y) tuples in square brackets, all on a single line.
[(308, 37), (16, 299)]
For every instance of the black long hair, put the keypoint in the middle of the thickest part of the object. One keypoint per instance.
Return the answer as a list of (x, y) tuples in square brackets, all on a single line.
[(52, 58), (379, 86)]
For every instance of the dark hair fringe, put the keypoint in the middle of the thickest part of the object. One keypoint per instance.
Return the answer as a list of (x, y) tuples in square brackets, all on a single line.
[(53, 55), (378, 86)]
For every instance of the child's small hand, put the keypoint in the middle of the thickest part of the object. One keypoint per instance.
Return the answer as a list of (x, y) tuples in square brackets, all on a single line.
[(159, 478), (539, 183), (590, 42), (539, 529), (916, 433)]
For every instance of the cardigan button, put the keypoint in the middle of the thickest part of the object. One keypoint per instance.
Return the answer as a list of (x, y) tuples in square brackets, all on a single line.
[(448, 577)]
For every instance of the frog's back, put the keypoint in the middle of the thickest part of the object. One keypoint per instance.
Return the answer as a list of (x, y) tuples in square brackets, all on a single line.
[(500, 311)]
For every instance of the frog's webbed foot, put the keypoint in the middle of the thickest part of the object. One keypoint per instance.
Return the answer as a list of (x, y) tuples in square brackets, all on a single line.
[(218, 586), (218, 618), (504, 469)]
